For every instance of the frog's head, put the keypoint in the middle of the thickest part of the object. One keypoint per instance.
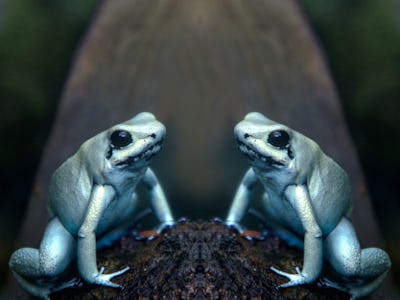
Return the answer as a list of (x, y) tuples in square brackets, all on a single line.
[(266, 143), (132, 144)]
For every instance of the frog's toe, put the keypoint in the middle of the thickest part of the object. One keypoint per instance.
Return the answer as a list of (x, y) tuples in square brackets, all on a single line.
[(114, 274), (236, 226), (294, 279), (164, 225), (182, 220), (105, 279), (327, 283), (217, 220), (107, 282), (279, 272), (73, 283), (356, 289)]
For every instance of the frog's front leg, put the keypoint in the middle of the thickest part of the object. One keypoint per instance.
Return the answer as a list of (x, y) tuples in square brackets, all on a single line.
[(100, 198), (313, 248), (241, 201), (158, 200)]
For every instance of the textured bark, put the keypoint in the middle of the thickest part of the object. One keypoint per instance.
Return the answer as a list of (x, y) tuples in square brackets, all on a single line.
[(200, 66), (200, 260)]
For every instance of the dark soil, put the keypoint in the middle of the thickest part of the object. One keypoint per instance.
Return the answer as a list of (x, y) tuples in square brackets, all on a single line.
[(200, 260)]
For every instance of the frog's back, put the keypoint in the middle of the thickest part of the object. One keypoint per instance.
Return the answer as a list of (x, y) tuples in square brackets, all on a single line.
[(69, 193), (330, 192)]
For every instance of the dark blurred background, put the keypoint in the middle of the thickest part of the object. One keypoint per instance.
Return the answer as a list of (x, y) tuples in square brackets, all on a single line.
[(361, 39)]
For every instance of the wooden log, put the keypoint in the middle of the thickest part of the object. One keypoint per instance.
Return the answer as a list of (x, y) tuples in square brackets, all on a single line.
[(200, 66)]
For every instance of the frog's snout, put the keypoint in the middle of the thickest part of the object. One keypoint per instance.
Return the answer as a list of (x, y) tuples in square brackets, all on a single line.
[(145, 117)]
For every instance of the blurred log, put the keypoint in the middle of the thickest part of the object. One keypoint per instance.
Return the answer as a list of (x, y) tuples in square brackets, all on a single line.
[(199, 65)]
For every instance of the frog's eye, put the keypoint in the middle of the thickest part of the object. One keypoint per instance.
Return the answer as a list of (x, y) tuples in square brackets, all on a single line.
[(279, 138), (120, 138)]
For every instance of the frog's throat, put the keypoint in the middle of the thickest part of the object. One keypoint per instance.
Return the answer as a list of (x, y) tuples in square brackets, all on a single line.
[(253, 154), (146, 154)]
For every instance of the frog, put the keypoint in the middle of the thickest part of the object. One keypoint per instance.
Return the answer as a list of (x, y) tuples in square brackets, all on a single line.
[(93, 195), (307, 202)]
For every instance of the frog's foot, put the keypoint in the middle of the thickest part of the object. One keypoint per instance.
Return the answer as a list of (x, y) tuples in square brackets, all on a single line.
[(182, 220), (236, 226), (40, 291), (164, 225), (153, 233), (217, 220), (253, 235), (357, 288), (327, 283), (105, 279), (73, 283), (294, 279), (341, 286), (144, 235), (247, 234), (147, 235), (45, 287)]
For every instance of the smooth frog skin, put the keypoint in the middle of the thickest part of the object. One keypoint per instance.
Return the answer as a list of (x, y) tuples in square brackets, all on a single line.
[(92, 194), (307, 200)]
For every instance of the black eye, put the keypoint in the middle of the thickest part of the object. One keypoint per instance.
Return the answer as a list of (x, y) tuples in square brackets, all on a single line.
[(279, 138), (120, 138)]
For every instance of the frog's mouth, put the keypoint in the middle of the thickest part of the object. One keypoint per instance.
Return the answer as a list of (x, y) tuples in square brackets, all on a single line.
[(145, 155), (255, 155)]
